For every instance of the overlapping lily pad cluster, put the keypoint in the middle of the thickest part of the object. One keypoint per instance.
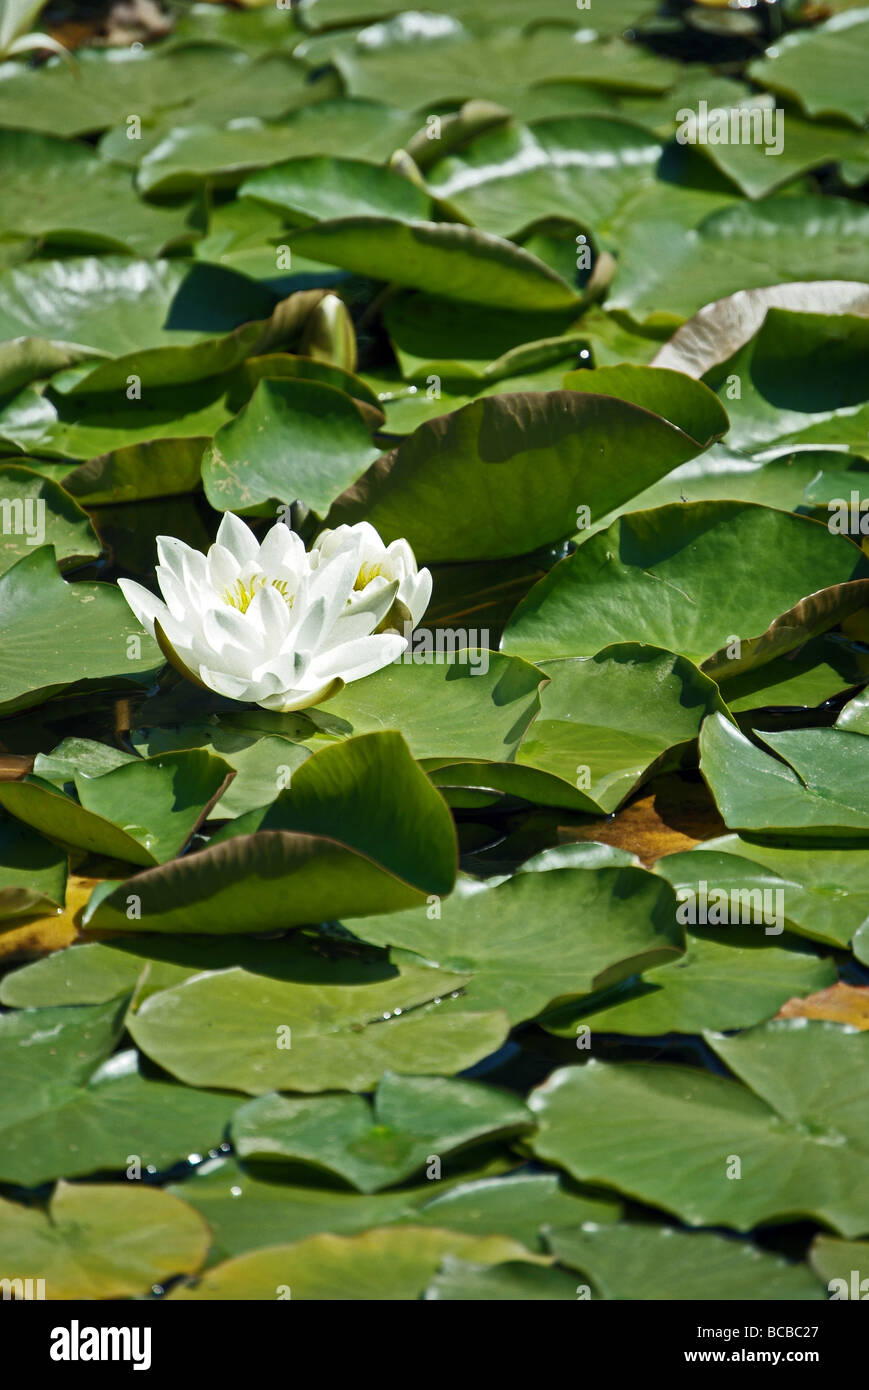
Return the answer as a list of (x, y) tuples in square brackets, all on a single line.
[(360, 974)]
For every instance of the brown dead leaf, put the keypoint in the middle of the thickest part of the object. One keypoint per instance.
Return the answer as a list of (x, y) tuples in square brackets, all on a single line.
[(672, 814), (840, 1003), (39, 935)]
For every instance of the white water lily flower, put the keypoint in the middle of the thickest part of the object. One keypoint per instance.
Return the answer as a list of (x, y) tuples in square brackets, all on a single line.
[(380, 565), (267, 622)]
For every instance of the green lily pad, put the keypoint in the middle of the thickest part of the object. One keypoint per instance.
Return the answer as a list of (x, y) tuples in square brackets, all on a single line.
[(519, 466), (115, 443), (694, 578), (380, 1144), (519, 1205), (855, 715), (61, 192), (114, 306), (243, 466), (822, 67), (329, 14), (792, 1146), (422, 65), (581, 167), (321, 187), (74, 755), (335, 1026), (43, 620), (103, 1241), (183, 157), (825, 889), (444, 708), (843, 1266), (32, 874), (727, 979), (35, 511), (462, 1280), (245, 1211), (397, 1261), (719, 330), (95, 972), (541, 938), (605, 722), (631, 1261), (799, 146), (72, 1108), (799, 379), (263, 765), (736, 248), (451, 260), (359, 829), (105, 86), (814, 792), (260, 30), (143, 812)]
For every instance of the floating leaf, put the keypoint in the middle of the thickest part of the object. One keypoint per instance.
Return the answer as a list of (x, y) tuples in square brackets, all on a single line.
[(727, 979), (810, 789), (579, 166), (798, 1133), (324, 1026), (32, 873), (521, 465), (678, 577), (824, 888), (100, 1241), (359, 829), (43, 620), (631, 1261), (718, 330), (71, 1108), (397, 1261), (455, 261), (143, 812), (541, 937), (245, 466), (822, 68), (379, 1144), (736, 248)]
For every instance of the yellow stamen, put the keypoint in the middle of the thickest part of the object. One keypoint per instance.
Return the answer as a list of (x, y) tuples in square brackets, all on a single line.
[(368, 571), (241, 595)]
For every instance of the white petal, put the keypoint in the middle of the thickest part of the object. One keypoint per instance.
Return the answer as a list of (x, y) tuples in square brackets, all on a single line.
[(282, 547), (144, 604), (223, 569), (268, 615), (300, 699), (415, 594), (238, 539), (175, 592), (233, 687), (174, 554), (334, 582), (353, 660)]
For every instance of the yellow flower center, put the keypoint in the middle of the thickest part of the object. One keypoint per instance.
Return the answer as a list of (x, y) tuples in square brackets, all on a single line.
[(241, 595), (369, 570)]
